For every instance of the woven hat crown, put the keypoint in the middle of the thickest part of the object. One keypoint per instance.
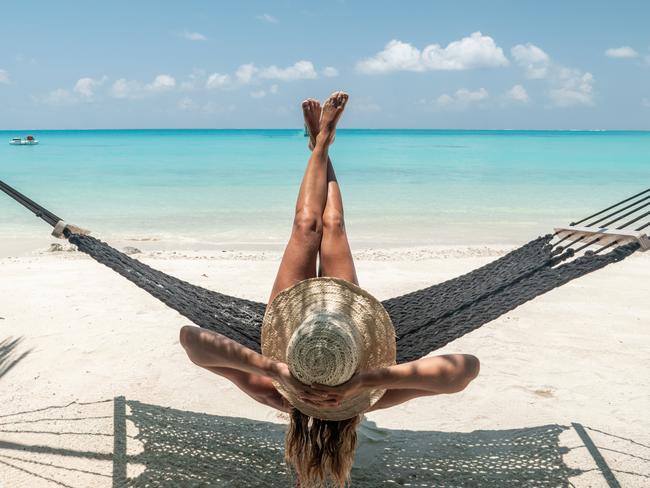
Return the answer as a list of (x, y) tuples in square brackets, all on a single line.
[(325, 348)]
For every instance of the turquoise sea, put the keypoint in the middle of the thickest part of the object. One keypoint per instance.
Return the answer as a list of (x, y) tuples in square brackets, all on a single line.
[(207, 189)]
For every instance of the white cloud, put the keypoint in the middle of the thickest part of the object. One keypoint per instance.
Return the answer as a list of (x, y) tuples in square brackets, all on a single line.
[(573, 88), (193, 36), (517, 94), (461, 99), (193, 79), (567, 87), (217, 80), (329, 72), (85, 87), (245, 73), (161, 83), (132, 89), (646, 102), (268, 18), (272, 90), (4, 77), (302, 70), (124, 88), (475, 51), (621, 52), (532, 58), (59, 97)]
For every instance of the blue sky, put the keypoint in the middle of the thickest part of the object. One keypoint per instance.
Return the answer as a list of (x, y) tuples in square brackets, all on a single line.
[(486, 65)]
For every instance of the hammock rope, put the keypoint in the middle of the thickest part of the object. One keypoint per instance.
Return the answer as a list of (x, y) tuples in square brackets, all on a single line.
[(424, 320)]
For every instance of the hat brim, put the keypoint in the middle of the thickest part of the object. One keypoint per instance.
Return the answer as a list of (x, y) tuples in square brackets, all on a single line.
[(290, 307)]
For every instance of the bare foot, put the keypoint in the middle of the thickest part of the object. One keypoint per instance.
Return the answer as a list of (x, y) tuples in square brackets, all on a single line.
[(330, 115), (311, 111)]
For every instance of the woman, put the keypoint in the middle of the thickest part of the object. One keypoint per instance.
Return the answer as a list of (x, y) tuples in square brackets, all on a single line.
[(321, 449)]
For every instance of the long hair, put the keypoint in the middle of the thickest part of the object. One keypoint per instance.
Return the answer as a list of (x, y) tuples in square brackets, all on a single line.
[(320, 450)]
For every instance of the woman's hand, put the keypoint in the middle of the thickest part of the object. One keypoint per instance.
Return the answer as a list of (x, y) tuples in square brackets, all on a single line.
[(301, 390), (336, 394)]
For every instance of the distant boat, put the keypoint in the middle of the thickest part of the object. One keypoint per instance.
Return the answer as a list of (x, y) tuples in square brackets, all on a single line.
[(25, 141)]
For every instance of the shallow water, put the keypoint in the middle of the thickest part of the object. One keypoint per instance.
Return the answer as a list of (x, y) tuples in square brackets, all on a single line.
[(205, 189)]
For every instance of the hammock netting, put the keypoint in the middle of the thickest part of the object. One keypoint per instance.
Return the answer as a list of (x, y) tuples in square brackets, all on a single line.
[(425, 319)]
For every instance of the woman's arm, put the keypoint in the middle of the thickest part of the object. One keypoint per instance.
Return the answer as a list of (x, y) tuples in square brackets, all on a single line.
[(214, 351), (429, 376), (450, 373), (211, 350)]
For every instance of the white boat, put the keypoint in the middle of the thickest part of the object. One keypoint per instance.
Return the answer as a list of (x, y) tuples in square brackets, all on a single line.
[(25, 141)]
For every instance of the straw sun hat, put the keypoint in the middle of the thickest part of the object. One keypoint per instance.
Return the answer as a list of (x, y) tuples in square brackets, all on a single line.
[(327, 329)]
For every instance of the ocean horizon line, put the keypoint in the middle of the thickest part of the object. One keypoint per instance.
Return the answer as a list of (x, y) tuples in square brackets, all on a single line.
[(344, 129)]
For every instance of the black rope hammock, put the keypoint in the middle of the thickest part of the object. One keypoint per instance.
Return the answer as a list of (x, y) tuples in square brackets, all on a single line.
[(425, 319)]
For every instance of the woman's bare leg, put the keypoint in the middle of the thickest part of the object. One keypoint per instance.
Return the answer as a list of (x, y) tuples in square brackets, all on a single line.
[(299, 259), (335, 255)]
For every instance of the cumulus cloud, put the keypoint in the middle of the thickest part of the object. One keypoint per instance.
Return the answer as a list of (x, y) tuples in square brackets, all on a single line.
[(532, 58), (161, 83), (272, 90), (567, 87), (621, 52), (302, 70), (245, 73), (517, 94), (461, 99), (329, 72), (193, 36), (268, 18), (573, 88), (249, 73), (4, 77), (85, 87), (217, 80), (124, 88), (474, 51)]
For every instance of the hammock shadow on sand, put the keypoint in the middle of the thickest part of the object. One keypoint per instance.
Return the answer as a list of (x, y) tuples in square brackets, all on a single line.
[(192, 449), (153, 446)]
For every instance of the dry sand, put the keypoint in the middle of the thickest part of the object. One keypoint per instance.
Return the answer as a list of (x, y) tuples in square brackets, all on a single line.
[(97, 392)]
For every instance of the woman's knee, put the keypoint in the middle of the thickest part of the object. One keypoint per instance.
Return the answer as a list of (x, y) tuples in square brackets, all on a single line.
[(333, 222), (308, 225)]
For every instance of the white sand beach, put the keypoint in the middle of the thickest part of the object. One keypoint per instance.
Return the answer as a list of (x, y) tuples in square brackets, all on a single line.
[(97, 392)]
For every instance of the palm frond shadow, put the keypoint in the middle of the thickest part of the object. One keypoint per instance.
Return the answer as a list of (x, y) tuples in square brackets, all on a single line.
[(9, 357)]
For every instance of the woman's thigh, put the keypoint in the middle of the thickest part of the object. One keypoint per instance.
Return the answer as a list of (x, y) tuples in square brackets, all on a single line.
[(298, 261), (335, 254)]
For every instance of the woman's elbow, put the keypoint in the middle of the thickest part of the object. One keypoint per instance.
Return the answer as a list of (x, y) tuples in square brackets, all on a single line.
[(467, 369), (188, 337), (185, 335), (472, 366)]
